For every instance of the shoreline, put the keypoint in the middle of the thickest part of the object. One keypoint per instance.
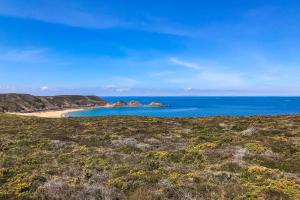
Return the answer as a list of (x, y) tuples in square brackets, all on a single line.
[(53, 113), (61, 113), (48, 114)]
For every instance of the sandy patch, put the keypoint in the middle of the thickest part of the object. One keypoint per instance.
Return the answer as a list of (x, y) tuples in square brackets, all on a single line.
[(48, 114)]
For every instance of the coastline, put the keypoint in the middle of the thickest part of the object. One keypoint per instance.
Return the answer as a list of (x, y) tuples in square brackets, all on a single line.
[(57, 113), (49, 114), (60, 113)]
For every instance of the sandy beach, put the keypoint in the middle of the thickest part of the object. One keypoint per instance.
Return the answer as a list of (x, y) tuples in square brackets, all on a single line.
[(57, 113), (49, 114)]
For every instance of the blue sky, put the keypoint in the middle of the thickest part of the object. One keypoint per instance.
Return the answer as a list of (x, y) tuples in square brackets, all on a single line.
[(157, 47)]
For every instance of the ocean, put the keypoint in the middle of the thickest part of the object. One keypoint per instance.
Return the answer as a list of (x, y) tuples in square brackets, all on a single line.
[(200, 107)]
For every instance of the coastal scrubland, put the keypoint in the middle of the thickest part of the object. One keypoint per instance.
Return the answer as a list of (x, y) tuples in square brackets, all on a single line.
[(150, 158)]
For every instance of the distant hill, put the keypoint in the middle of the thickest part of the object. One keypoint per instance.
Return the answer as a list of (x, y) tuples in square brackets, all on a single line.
[(30, 103)]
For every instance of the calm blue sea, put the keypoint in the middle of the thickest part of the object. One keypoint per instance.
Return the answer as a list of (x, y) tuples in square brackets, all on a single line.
[(201, 106)]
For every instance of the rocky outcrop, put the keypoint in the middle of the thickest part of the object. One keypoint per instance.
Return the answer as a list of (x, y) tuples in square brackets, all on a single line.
[(119, 104), (134, 104), (155, 104), (30, 103), (125, 104)]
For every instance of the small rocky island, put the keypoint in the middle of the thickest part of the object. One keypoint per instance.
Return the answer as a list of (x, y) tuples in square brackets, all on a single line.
[(126, 104), (156, 104), (134, 104)]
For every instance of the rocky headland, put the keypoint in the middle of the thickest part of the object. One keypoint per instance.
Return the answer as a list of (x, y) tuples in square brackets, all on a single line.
[(26, 103)]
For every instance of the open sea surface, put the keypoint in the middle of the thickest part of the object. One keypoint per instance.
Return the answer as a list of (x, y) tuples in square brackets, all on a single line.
[(200, 107)]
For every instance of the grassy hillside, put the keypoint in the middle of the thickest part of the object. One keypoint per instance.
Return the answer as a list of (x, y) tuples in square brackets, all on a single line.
[(30, 103), (150, 158)]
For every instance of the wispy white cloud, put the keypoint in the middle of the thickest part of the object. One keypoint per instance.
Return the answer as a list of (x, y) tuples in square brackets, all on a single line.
[(71, 14), (120, 84), (7, 88), (185, 63), (221, 79), (206, 76), (23, 55), (65, 13), (123, 89), (188, 89), (78, 14), (109, 86), (209, 81), (161, 73), (116, 88), (270, 70), (44, 88), (125, 81)]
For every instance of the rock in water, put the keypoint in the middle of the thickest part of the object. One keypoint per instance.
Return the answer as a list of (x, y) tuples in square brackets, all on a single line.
[(134, 104), (155, 104), (119, 104)]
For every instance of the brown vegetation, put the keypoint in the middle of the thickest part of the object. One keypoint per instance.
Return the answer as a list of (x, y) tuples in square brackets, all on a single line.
[(150, 158)]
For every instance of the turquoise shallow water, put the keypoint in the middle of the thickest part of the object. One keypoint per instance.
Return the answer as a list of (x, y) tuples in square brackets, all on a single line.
[(200, 107)]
